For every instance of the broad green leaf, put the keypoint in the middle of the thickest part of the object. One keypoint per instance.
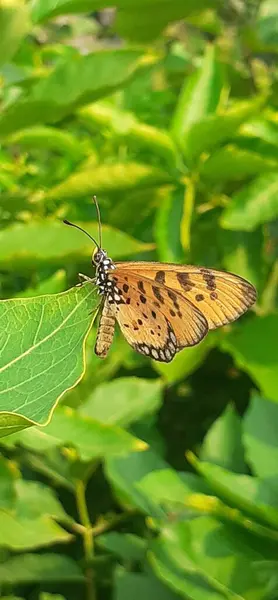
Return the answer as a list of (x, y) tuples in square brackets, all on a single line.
[(109, 178), (144, 21), (91, 439), (8, 474), (185, 362), (85, 79), (260, 436), (35, 568), (20, 533), (48, 9), (125, 474), (254, 349), (137, 21), (14, 25), (138, 585), (124, 125), (254, 204), (123, 401), (243, 254), (35, 499), (266, 25), (260, 130), (213, 129), (199, 96), (222, 444), (250, 495), (42, 353), (184, 557), (167, 487), (232, 163), (124, 545), (51, 138), (53, 243)]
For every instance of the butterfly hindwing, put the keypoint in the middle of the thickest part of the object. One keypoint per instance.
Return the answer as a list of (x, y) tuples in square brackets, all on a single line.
[(155, 320), (221, 296)]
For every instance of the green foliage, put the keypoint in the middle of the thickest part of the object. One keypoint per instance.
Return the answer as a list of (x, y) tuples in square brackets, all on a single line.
[(148, 480)]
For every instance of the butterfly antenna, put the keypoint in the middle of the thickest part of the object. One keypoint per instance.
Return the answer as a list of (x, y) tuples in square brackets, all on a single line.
[(80, 228), (99, 221)]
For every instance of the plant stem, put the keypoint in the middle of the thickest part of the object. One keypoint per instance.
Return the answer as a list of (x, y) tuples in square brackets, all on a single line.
[(87, 534)]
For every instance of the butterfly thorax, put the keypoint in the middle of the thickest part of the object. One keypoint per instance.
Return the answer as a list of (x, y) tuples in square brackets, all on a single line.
[(105, 283)]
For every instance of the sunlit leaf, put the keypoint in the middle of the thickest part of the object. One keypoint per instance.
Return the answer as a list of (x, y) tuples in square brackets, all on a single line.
[(255, 203), (223, 444), (117, 177), (260, 436), (42, 353), (254, 348), (14, 25), (51, 242), (34, 568), (123, 401)]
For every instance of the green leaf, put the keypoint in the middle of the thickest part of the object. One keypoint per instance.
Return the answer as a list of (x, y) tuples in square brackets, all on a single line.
[(35, 499), (187, 215), (85, 79), (167, 487), (14, 25), (48, 137), (103, 116), (124, 545), (260, 436), (199, 96), (185, 362), (123, 401), (90, 438), (42, 353), (19, 533), (254, 348), (243, 254), (47, 596), (255, 203), (222, 444), (138, 586), (211, 130), (109, 178), (250, 495), (266, 25), (232, 163), (144, 21), (7, 484), (52, 243), (126, 473), (34, 568), (184, 557)]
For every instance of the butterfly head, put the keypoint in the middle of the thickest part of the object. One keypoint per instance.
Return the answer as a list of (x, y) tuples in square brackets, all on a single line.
[(101, 260)]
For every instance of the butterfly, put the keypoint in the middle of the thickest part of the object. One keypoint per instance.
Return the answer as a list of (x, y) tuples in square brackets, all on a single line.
[(162, 308)]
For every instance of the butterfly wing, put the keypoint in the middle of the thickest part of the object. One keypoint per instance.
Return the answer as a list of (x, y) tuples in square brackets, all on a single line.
[(220, 296), (155, 320)]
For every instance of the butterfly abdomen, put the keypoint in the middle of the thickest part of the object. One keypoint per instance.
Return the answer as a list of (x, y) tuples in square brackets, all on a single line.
[(105, 332)]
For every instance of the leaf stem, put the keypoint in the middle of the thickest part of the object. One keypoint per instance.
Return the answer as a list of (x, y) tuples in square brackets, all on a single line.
[(87, 534)]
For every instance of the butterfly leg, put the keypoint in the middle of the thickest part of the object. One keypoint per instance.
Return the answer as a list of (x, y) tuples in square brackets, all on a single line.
[(85, 279)]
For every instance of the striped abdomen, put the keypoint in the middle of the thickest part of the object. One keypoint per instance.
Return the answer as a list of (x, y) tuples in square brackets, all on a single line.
[(105, 332)]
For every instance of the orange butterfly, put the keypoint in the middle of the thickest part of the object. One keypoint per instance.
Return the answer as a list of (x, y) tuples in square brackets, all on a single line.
[(162, 308)]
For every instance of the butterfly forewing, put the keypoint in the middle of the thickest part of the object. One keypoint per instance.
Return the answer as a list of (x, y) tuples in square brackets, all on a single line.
[(155, 320), (220, 296)]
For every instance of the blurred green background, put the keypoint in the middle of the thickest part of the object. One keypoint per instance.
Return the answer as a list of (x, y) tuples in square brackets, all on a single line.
[(167, 110)]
